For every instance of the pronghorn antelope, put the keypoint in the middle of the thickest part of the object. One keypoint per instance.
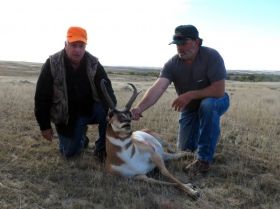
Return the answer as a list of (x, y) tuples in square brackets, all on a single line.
[(134, 154)]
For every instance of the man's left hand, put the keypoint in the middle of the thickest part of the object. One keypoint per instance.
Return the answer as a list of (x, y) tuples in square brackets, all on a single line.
[(181, 101)]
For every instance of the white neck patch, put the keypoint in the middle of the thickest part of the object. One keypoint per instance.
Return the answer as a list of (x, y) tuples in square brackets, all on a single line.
[(117, 142)]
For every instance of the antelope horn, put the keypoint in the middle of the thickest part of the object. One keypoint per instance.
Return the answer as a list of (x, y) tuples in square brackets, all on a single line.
[(132, 98), (106, 94)]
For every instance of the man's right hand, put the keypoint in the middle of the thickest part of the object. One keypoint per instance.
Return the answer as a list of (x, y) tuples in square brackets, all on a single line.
[(47, 134), (136, 113)]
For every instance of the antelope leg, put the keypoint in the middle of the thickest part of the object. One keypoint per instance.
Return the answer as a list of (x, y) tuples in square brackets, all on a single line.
[(185, 187), (152, 180)]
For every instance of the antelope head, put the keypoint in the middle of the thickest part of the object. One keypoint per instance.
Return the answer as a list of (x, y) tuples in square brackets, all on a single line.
[(119, 119)]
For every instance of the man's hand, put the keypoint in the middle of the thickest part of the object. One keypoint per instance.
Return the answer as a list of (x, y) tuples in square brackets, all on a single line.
[(136, 113), (47, 134), (181, 101)]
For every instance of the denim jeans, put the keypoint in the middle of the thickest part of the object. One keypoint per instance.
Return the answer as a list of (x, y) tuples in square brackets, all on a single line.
[(73, 145), (199, 129)]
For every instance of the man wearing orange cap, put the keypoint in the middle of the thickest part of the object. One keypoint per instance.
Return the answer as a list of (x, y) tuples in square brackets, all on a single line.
[(68, 93)]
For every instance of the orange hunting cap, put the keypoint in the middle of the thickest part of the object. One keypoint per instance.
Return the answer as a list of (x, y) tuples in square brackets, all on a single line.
[(76, 34)]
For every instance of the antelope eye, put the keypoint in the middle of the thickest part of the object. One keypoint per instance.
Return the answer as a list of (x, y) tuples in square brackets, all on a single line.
[(128, 115), (110, 114)]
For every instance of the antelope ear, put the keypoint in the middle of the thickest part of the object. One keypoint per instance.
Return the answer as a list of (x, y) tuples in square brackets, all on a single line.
[(109, 116), (110, 113)]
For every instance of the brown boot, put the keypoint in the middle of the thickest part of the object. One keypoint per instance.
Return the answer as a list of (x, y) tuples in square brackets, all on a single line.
[(196, 167)]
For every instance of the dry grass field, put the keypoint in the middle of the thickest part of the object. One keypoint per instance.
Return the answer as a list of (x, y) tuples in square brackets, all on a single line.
[(245, 174)]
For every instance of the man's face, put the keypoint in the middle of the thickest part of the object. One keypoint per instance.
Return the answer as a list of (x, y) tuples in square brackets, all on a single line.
[(75, 51), (188, 49)]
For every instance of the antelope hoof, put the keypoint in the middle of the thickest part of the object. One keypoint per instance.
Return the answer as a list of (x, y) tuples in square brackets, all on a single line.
[(193, 192)]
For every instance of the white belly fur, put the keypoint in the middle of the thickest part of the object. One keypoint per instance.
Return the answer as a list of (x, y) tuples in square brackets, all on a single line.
[(140, 162)]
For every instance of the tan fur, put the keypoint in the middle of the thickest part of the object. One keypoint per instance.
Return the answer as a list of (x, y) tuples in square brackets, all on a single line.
[(111, 151)]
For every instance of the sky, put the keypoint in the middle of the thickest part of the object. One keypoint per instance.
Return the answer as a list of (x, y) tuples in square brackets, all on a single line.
[(138, 32)]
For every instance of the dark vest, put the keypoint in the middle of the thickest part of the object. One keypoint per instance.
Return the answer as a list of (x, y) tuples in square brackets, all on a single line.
[(59, 109)]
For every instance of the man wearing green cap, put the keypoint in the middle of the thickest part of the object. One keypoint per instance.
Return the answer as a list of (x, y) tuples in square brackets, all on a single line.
[(198, 74)]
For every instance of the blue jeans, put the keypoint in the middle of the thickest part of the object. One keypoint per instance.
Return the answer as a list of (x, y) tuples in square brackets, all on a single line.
[(73, 145), (199, 129)]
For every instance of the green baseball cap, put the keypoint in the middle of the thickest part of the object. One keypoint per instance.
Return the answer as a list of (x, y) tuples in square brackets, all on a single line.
[(183, 33)]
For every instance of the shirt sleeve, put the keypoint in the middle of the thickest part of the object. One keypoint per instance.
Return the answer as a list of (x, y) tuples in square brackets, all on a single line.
[(166, 71), (216, 67), (101, 74), (43, 97)]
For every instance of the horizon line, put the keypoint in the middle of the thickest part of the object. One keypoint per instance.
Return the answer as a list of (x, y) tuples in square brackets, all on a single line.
[(145, 67)]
